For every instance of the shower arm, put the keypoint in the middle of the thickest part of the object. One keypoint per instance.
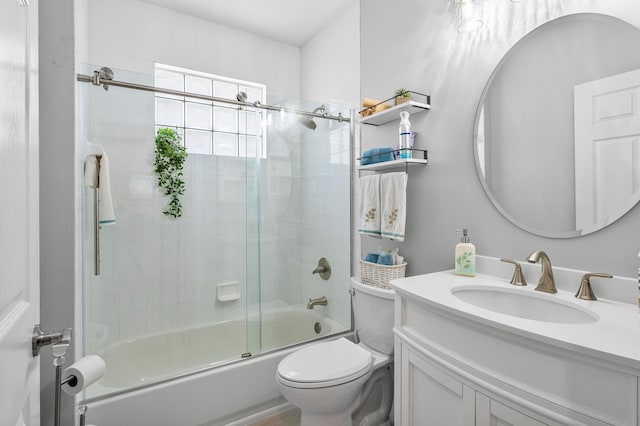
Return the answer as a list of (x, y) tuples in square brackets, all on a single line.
[(97, 80)]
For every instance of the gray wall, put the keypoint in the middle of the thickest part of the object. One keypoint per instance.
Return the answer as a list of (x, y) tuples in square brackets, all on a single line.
[(58, 212), (425, 53)]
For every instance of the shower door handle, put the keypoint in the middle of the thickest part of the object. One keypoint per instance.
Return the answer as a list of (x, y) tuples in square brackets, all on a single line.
[(96, 219)]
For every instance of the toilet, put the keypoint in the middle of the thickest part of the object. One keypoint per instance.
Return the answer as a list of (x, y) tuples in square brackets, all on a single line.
[(331, 382)]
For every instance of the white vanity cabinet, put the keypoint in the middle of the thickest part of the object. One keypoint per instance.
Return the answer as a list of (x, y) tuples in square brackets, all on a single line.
[(456, 367), (432, 396)]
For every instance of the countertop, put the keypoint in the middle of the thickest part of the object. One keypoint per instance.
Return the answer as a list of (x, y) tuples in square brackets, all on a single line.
[(614, 337)]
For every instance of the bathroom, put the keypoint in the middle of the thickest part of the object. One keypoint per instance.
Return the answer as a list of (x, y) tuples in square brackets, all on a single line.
[(379, 46)]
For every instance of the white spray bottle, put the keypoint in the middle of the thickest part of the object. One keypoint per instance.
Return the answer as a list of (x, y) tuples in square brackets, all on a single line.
[(404, 143)]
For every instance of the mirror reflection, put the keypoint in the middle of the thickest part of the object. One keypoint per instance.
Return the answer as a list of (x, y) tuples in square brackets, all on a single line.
[(556, 135)]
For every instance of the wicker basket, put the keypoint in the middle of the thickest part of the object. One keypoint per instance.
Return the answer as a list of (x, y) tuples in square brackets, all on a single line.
[(380, 275)]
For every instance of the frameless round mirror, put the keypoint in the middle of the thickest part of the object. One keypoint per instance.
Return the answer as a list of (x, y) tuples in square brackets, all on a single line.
[(557, 129)]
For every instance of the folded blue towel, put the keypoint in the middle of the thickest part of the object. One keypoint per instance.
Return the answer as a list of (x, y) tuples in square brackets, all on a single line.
[(385, 259), (377, 155), (372, 257)]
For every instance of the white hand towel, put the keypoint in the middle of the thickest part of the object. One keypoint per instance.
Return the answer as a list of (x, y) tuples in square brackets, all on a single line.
[(96, 173), (369, 222), (393, 201)]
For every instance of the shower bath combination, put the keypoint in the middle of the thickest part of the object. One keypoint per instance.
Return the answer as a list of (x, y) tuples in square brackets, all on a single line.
[(156, 294)]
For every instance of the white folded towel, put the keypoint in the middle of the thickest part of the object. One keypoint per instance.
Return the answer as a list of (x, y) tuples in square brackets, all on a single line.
[(96, 174), (369, 222), (393, 200)]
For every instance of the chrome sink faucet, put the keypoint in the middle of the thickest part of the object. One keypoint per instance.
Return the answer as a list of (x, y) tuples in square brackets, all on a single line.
[(546, 282), (319, 301)]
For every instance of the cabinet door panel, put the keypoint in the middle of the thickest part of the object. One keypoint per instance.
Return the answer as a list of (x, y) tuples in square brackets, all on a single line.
[(432, 397), (493, 413)]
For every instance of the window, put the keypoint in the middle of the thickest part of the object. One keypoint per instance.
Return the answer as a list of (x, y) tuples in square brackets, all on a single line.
[(211, 128)]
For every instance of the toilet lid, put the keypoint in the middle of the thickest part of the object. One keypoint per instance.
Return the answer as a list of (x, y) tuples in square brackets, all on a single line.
[(330, 363)]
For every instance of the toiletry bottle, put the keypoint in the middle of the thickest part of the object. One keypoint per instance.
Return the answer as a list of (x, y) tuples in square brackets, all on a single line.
[(465, 259), (404, 143)]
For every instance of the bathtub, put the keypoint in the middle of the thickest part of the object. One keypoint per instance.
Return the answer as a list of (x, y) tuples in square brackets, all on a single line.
[(197, 376)]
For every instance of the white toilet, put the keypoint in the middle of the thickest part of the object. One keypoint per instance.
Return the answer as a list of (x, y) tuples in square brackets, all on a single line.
[(332, 380)]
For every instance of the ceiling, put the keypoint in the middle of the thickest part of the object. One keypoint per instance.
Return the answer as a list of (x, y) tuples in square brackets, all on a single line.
[(290, 21)]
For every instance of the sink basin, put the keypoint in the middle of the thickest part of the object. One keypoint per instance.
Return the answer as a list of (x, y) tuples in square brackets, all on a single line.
[(524, 304)]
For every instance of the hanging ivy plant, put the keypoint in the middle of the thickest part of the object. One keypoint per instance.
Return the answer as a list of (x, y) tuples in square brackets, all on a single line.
[(170, 158)]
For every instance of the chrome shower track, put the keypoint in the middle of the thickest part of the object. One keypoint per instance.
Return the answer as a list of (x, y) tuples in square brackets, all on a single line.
[(97, 79)]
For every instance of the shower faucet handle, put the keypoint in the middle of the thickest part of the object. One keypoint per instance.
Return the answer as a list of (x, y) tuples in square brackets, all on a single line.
[(323, 269)]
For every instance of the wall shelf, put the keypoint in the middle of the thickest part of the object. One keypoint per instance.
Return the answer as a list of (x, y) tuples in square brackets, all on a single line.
[(402, 162), (392, 164), (393, 113)]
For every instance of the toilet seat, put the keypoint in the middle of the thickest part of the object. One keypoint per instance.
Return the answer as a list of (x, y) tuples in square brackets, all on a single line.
[(325, 364)]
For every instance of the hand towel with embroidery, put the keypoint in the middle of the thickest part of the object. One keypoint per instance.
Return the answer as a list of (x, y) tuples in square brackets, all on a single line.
[(393, 201), (369, 222)]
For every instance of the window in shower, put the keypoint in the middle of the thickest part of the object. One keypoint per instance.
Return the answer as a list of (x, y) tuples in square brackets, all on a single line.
[(211, 128)]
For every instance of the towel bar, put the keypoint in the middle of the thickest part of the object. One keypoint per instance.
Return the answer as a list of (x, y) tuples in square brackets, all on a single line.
[(96, 219)]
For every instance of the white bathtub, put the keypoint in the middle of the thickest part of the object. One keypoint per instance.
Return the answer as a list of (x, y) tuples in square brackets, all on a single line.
[(207, 397)]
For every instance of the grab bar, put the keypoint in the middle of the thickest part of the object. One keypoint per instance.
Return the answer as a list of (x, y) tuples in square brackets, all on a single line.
[(96, 219)]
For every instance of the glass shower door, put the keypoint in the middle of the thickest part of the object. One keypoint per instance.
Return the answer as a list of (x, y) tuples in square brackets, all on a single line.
[(174, 295)]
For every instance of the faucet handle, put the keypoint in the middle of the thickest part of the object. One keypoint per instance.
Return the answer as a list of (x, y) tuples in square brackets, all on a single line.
[(585, 292), (518, 278)]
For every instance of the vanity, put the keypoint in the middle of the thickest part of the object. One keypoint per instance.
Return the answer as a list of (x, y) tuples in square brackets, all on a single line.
[(481, 351)]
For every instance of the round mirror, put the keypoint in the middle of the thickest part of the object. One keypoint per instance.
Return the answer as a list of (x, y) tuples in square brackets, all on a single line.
[(557, 130)]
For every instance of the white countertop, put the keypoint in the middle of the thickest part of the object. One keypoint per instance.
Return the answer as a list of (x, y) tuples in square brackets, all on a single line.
[(614, 337)]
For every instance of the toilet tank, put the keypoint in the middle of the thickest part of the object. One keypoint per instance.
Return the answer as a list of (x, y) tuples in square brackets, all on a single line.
[(373, 316)]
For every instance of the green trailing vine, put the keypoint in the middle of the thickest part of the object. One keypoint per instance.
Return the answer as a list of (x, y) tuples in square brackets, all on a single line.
[(169, 162)]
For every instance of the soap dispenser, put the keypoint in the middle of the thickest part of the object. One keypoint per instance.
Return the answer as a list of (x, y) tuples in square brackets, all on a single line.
[(465, 256)]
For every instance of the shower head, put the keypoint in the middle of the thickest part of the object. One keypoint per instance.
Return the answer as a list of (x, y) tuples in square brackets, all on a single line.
[(308, 121)]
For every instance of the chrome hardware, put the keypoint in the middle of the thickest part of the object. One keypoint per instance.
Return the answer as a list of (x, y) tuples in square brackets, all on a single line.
[(352, 292), (517, 278), (246, 355), (585, 292), (319, 301), (105, 73), (323, 269), (96, 219), (317, 327), (60, 339), (82, 410), (546, 282), (98, 79)]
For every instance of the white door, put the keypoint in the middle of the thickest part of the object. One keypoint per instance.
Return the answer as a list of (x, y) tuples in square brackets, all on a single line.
[(19, 281), (607, 148)]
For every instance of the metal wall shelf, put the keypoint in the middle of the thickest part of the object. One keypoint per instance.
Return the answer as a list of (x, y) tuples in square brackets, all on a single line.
[(422, 103), (394, 164)]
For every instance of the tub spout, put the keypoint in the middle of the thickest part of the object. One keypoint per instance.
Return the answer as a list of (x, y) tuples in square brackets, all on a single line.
[(319, 301)]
